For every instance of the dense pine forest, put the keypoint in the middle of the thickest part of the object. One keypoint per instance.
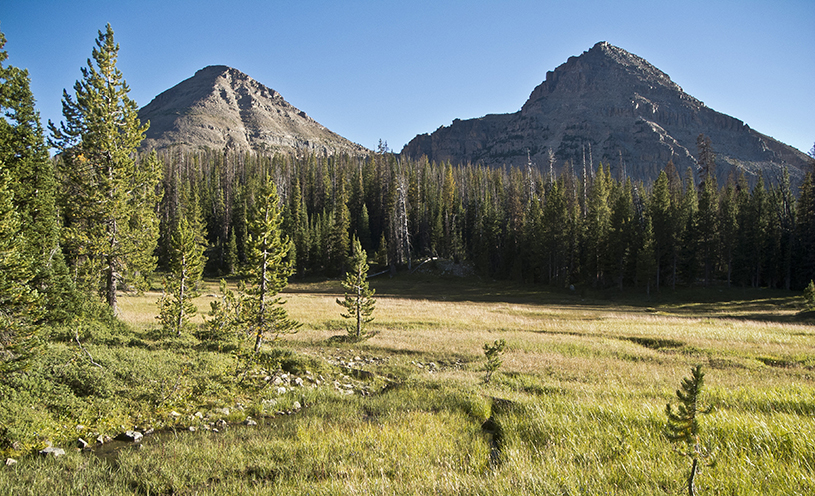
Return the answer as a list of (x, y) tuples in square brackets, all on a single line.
[(580, 227)]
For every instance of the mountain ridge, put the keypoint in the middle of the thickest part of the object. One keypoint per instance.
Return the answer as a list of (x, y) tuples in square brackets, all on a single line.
[(220, 107), (610, 106)]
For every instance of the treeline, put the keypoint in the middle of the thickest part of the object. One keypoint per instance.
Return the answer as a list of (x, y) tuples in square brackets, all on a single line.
[(572, 228)]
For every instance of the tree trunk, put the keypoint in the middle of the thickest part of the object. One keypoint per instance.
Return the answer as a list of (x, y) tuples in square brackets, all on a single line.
[(692, 479)]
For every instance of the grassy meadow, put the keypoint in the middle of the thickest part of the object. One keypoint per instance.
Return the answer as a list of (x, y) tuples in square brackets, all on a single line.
[(578, 406)]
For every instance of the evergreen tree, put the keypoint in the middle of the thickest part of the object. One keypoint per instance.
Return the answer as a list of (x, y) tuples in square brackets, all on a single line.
[(598, 225), (31, 188), (359, 303), (18, 300), (707, 227), (109, 198), (186, 265), (662, 225), (267, 270), (683, 424)]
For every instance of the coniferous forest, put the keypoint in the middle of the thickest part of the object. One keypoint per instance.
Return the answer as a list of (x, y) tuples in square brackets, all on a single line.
[(588, 228)]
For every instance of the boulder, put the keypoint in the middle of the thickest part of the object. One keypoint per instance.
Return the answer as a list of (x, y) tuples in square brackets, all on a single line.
[(51, 451), (130, 436)]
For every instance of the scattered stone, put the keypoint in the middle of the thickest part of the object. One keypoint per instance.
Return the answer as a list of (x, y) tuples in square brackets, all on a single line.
[(10, 462), (221, 424), (82, 444), (149, 431), (278, 381), (51, 451), (130, 436), (297, 381), (296, 405), (198, 415), (192, 428), (281, 390), (249, 422), (80, 427), (222, 411), (175, 414)]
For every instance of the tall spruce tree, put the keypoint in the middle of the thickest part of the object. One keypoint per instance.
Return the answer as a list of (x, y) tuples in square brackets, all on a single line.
[(109, 197), (267, 269), (186, 264), (29, 175)]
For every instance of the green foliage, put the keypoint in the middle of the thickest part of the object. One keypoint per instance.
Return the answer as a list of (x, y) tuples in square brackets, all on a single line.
[(224, 324), (186, 265), (359, 302), (267, 270), (108, 197), (494, 352), (809, 296), (683, 424)]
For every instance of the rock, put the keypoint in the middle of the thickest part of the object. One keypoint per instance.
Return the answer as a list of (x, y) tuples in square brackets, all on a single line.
[(130, 436), (103, 439), (175, 414), (281, 390), (198, 415), (221, 424), (296, 405), (222, 411), (192, 428), (51, 451), (10, 462), (297, 381), (221, 107), (249, 422), (82, 444), (611, 106), (277, 381)]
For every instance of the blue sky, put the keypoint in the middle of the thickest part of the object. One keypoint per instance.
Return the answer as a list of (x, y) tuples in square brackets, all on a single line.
[(390, 70)]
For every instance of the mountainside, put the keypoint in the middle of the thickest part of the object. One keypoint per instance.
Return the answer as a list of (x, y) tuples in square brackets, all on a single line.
[(220, 107), (610, 106)]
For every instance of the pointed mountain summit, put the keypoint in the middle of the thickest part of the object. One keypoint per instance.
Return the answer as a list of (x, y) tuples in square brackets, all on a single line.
[(221, 107), (610, 106)]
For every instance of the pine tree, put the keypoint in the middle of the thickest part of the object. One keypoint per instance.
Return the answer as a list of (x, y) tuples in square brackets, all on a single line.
[(109, 197), (267, 269), (29, 176), (18, 300), (359, 302), (683, 424), (186, 264)]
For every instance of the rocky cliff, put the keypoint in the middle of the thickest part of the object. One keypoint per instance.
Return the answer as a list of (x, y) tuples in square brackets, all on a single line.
[(610, 106), (220, 107)]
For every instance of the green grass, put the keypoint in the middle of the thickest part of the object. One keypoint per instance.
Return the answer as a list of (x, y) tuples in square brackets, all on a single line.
[(577, 407)]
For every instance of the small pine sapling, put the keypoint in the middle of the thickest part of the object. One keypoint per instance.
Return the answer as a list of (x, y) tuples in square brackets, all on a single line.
[(359, 302), (493, 352), (683, 424), (809, 296)]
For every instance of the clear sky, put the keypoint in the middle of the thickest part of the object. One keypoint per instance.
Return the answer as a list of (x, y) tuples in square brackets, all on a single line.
[(380, 69)]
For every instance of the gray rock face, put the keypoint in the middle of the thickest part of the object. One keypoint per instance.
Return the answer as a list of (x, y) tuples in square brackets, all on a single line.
[(610, 106), (220, 107)]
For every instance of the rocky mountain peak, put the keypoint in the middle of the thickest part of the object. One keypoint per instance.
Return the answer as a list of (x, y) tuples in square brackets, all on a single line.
[(221, 107), (611, 106)]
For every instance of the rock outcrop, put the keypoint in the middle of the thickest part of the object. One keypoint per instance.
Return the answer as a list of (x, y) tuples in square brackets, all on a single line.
[(223, 108), (610, 106)]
